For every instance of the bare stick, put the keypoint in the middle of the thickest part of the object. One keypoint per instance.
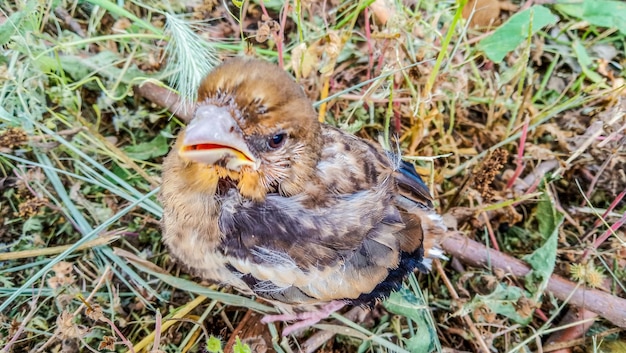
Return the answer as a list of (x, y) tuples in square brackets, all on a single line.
[(165, 98), (475, 254)]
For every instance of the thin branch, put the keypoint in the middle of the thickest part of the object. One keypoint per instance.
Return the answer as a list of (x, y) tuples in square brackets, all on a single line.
[(610, 307), (165, 98)]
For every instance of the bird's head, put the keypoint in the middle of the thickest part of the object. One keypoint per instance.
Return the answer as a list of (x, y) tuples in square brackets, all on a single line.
[(253, 128)]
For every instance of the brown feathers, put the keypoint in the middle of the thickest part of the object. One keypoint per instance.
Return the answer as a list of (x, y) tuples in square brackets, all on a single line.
[(258, 195)]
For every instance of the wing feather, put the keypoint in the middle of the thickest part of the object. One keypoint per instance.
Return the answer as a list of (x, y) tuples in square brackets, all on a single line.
[(356, 240)]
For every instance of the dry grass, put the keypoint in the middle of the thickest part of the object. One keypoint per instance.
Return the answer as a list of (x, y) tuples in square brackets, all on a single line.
[(506, 147)]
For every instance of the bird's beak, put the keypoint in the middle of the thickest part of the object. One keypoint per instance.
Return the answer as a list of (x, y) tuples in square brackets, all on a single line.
[(213, 137)]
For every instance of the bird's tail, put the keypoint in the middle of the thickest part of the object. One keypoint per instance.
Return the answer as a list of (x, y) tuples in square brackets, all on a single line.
[(415, 198)]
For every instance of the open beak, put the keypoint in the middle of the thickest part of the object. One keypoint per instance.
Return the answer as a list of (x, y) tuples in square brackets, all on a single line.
[(213, 137)]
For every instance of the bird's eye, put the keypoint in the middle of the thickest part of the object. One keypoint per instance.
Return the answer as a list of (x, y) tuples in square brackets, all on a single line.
[(277, 140)]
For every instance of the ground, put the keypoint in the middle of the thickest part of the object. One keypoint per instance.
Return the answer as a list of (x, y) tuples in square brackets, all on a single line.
[(518, 129)]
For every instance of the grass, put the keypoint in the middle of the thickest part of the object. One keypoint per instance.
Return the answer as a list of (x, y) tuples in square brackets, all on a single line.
[(82, 267)]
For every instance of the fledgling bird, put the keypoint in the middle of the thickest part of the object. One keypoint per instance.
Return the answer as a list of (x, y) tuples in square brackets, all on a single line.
[(258, 195)]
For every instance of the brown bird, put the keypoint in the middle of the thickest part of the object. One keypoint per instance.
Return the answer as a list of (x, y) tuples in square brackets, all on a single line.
[(259, 195)]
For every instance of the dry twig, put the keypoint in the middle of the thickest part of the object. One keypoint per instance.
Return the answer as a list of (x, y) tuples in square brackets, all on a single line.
[(610, 307)]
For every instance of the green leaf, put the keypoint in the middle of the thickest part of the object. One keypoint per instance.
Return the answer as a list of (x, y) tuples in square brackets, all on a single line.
[(599, 13), (542, 260), (5, 282), (503, 300), (11, 26), (144, 151), (546, 216), (46, 64), (241, 347), (405, 303), (214, 345), (32, 225), (514, 31), (585, 61)]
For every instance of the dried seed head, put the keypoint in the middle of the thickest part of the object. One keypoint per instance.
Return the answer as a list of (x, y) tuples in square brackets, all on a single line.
[(595, 277), (94, 312), (587, 273), (487, 173), (13, 137), (266, 28), (62, 275), (263, 33), (525, 306), (67, 329), (31, 207), (108, 342)]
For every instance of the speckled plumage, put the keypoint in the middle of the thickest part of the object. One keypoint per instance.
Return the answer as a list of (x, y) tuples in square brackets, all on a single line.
[(326, 216)]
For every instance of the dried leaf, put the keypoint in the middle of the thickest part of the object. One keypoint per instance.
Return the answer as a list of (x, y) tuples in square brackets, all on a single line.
[(108, 342)]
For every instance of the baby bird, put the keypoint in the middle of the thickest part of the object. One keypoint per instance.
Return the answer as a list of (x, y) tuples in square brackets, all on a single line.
[(258, 195)]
